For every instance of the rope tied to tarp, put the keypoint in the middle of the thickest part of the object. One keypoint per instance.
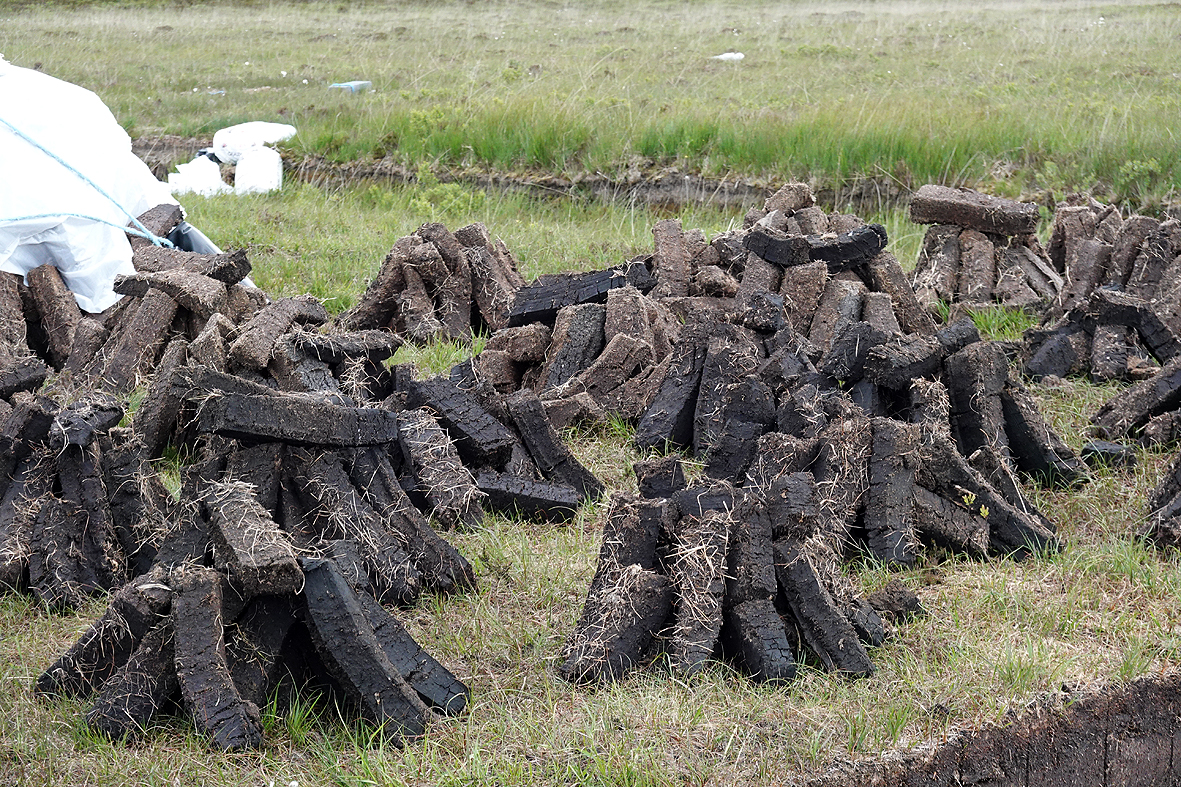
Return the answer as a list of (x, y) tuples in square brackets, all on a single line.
[(139, 229)]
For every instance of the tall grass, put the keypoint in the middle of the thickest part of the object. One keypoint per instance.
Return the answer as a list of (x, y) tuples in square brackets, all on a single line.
[(1014, 98), (329, 243)]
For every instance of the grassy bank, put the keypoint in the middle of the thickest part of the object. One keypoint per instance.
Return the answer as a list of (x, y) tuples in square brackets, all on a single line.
[(1010, 97)]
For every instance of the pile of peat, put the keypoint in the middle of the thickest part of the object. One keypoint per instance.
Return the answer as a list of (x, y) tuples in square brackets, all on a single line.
[(833, 416)]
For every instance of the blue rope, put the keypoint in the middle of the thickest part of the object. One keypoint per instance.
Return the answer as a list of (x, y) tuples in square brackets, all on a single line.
[(142, 230), (156, 240)]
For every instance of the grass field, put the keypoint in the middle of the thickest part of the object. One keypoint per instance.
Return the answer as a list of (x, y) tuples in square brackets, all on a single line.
[(1012, 97)]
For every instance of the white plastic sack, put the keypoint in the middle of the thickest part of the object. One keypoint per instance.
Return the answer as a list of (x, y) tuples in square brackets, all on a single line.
[(201, 176), (75, 125), (229, 144), (259, 170)]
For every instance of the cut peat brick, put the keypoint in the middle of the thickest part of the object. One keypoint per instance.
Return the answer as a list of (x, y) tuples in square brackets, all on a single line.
[(731, 355), (976, 376), (977, 276), (1062, 354), (255, 554), (378, 305), (434, 683), (668, 421), (256, 339), (109, 642), (220, 713), (750, 560), (660, 477), (1126, 414), (754, 633), (578, 338), (442, 567), (132, 351), (785, 250), (937, 270), (296, 420), (1036, 448), (450, 489), (824, 627), (261, 467), (623, 358), (254, 646), (1109, 352), (159, 221), (886, 275), (847, 249), (733, 450), (349, 648), (950, 525), (634, 533), (129, 700), (28, 484), (335, 348), (201, 295), (81, 421), (541, 301), (1109, 307), (802, 287), (625, 608), (899, 360), (889, 524), (155, 420), (966, 208), (842, 474), (21, 374), (525, 343), (229, 268), (342, 513), (947, 473), (670, 260), (495, 282), (515, 495), (58, 309), (13, 328), (698, 564), (553, 458), (101, 562), (480, 439)]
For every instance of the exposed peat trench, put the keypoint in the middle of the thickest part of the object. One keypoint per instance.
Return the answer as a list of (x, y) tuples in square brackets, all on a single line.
[(833, 413), (660, 187)]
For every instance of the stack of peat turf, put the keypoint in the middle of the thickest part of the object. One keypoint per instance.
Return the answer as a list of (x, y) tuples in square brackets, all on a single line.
[(980, 251), (1119, 314), (292, 527), (832, 417)]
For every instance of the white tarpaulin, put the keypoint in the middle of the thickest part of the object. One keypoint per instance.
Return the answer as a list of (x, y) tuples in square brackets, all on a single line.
[(41, 199)]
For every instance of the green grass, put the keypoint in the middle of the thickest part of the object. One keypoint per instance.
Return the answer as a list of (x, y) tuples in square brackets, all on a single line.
[(303, 239), (1010, 97)]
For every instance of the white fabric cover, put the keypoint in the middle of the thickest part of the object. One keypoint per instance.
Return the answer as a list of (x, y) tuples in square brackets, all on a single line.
[(230, 144), (76, 125)]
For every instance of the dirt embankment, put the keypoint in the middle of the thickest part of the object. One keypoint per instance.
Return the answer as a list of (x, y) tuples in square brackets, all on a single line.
[(1125, 736), (659, 187)]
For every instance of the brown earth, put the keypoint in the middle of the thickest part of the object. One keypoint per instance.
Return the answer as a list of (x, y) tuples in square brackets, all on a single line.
[(1123, 735)]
